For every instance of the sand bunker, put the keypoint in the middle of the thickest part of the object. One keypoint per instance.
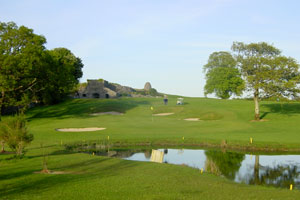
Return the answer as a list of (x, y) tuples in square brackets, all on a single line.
[(192, 119), (80, 129), (163, 114), (107, 113)]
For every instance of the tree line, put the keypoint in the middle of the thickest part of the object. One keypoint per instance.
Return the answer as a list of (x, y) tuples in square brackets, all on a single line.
[(259, 68), (31, 73)]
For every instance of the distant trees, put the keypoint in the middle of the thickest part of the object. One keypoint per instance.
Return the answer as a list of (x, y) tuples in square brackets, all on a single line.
[(29, 72), (264, 70)]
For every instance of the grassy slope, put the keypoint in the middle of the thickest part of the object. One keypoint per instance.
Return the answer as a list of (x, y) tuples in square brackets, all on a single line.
[(94, 177), (222, 120)]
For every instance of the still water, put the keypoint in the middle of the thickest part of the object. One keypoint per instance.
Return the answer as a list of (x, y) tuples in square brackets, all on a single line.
[(273, 170)]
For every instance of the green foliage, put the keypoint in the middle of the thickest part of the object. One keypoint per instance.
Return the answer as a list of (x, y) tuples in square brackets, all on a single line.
[(13, 131), (266, 72), (60, 77), (153, 92), (29, 72), (227, 163), (21, 53), (222, 76)]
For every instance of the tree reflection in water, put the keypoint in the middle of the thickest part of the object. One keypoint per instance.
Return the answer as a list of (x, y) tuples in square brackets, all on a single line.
[(223, 163), (278, 176)]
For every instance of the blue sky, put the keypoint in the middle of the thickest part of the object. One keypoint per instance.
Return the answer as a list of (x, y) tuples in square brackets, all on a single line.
[(165, 42)]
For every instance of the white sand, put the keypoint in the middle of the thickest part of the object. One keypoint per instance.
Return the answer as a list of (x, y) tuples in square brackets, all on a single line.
[(192, 119), (107, 113), (163, 114), (80, 129)]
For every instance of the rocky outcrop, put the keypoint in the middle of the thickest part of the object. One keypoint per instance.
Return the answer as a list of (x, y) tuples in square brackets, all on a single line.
[(118, 88), (147, 86)]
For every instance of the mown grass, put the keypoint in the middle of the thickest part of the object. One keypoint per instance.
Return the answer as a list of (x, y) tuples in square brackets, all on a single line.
[(96, 177), (228, 120)]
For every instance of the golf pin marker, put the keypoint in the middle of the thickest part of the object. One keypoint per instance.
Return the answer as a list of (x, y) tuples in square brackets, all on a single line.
[(251, 140), (291, 187), (201, 170)]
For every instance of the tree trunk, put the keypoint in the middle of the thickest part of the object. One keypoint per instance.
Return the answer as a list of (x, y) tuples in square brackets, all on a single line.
[(1, 102), (256, 170), (2, 148), (256, 110)]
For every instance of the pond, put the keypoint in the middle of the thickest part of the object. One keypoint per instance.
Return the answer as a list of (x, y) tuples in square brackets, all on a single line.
[(263, 169)]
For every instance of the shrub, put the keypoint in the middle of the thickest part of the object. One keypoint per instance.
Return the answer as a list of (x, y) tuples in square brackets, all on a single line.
[(153, 92), (13, 132)]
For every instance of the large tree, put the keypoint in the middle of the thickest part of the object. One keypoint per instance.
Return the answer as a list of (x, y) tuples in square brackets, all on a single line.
[(267, 73), (20, 56), (29, 72), (59, 76), (222, 76)]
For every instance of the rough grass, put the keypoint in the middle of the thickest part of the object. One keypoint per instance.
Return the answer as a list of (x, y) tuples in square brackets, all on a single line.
[(95, 177)]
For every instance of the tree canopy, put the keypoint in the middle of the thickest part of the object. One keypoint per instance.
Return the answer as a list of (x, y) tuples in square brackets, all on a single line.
[(21, 53), (267, 73), (59, 76), (222, 76), (259, 68), (29, 72)]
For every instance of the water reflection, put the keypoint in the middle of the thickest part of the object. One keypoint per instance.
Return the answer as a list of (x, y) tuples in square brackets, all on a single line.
[(223, 163), (274, 170), (278, 175)]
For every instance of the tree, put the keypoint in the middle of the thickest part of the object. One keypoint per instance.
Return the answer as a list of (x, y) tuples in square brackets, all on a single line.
[(222, 76), (59, 76), (13, 132), (267, 73), (30, 73), (20, 56)]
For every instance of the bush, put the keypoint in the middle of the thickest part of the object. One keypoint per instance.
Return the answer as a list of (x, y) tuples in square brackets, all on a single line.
[(153, 92), (13, 132)]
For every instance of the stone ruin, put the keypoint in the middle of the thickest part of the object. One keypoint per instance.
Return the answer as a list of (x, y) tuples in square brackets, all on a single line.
[(103, 89), (147, 86)]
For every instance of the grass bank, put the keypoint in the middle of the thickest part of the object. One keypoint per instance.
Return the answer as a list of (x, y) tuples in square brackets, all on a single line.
[(226, 122)]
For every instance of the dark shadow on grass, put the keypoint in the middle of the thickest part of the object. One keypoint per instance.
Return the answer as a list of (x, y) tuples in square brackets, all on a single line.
[(83, 107), (282, 108), (264, 115), (86, 170), (55, 153)]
